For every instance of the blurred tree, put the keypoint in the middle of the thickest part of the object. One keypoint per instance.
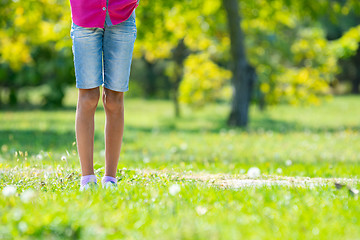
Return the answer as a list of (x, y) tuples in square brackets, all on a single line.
[(284, 42), (288, 46), (204, 84), (35, 41), (172, 31), (346, 18), (150, 79), (243, 72)]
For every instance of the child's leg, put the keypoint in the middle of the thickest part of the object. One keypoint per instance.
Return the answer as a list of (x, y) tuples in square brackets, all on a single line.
[(87, 50), (118, 48), (114, 128), (84, 127)]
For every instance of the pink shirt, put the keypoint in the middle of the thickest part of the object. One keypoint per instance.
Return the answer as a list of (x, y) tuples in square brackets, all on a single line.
[(92, 13)]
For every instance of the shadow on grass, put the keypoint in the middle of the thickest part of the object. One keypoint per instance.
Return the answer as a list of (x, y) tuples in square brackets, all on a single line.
[(34, 141), (192, 125), (280, 126), (30, 107)]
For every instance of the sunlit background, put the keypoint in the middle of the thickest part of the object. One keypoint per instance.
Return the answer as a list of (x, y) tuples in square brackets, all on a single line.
[(304, 121)]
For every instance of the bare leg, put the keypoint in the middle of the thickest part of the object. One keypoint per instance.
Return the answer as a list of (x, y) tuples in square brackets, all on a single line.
[(84, 127), (114, 129)]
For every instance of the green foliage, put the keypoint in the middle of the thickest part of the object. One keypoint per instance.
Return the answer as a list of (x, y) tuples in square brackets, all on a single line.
[(285, 41), (204, 81), (36, 46), (202, 26), (294, 60)]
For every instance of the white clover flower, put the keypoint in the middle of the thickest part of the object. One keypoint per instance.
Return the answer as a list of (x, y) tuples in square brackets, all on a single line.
[(146, 159), (288, 162), (174, 189), (27, 195), (201, 210), (183, 146), (23, 226), (4, 148), (254, 172), (102, 153), (279, 171), (39, 156), (17, 214), (173, 149), (9, 191)]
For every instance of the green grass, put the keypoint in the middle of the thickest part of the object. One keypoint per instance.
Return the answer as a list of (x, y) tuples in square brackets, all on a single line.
[(319, 141)]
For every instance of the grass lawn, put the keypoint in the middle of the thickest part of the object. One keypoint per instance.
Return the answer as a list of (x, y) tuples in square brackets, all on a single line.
[(38, 157)]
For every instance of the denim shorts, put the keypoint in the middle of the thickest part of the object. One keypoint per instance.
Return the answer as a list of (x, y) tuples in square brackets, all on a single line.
[(103, 56)]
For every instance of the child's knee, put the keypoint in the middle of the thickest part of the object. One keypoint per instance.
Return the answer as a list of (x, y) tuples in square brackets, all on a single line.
[(88, 99), (113, 101)]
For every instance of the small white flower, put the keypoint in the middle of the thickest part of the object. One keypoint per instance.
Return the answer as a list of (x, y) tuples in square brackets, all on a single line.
[(102, 153), (39, 156), (4, 148), (23, 226), (174, 189), (288, 162), (63, 158), (27, 195), (279, 171), (9, 191), (254, 172), (183, 146), (201, 210), (17, 214), (146, 159), (173, 149)]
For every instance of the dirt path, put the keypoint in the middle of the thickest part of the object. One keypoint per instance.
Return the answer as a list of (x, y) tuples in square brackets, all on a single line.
[(239, 181)]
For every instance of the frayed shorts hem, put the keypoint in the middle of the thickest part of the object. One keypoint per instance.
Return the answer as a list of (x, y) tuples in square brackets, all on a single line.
[(88, 86), (116, 89)]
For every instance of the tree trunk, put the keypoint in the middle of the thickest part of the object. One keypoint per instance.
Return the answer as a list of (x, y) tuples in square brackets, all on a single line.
[(13, 100), (180, 53), (150, 82), (356, 80), (242, 72)]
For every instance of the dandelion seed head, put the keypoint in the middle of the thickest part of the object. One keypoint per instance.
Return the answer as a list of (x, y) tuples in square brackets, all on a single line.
[(23, 226), (288, 162), (183, 146), (201, 210), (146, 159), (27, 195), (254, 172), (174, 189), (9, 191)]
